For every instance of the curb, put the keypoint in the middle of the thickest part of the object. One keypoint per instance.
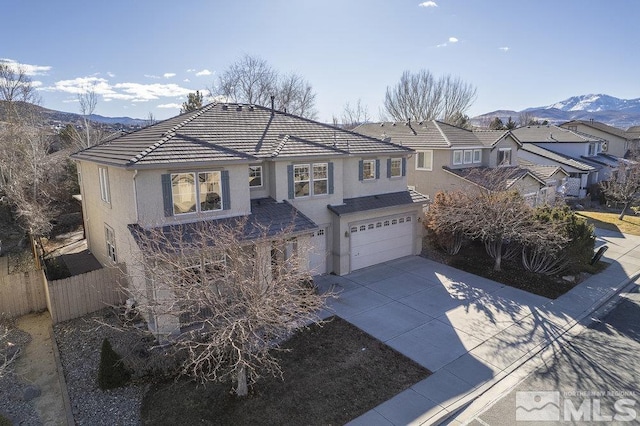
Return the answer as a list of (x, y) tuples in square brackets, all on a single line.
[(598, 309), (63, 384)]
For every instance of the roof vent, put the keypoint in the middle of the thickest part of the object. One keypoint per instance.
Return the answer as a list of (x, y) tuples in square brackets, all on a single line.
[(251, 107), (239, 108), (381, 124), (225, 107), (393, 124)]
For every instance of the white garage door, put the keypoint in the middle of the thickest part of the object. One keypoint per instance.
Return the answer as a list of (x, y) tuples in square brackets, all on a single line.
[(376, 241), (318, 254)]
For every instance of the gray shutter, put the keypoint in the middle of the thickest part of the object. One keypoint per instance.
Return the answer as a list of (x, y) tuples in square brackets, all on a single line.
[(360, 170), (388, 167), (330, 178), (166, 195), (377, 169), (226, 190), (404, 167), (290, 180)]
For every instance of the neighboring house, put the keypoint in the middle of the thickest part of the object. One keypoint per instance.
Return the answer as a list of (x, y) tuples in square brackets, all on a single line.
[(554, 177), (565, 147), (347, 192), (617, 142), (450, 158)]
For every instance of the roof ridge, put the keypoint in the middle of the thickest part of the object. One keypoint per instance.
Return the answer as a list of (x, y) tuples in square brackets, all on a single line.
[(281, 145), (171, 133), (446, 139)]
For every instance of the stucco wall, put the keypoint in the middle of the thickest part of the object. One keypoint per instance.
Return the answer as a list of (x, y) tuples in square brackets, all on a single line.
[(616, 145)]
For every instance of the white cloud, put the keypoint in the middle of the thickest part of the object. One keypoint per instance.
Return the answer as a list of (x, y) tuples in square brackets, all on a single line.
[(169, 74), (186, 80), (27, 68), (441, 45), (152, 76), (80, 85), (428, 4), (170, 106), (203, 72), (505, 48), (110, 74), (191, 70), (453, 40)]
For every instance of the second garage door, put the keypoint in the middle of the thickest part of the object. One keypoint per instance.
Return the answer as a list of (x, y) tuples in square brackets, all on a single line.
[(379, 240)]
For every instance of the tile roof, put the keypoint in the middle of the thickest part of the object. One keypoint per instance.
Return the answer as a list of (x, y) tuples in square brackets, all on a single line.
[(232, 132), (373, 202), (429, 134), (551, 134), (542, 171), (599, 126), (490, 138), (267, 219), (494, 179), (557, 157)]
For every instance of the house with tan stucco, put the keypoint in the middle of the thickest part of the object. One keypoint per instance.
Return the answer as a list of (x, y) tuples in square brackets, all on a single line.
[(616, 142), (347, 192), (449, 158)]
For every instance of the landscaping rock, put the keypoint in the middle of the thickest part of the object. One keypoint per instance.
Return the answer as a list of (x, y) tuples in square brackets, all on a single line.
[(31, 392), (569, 278)]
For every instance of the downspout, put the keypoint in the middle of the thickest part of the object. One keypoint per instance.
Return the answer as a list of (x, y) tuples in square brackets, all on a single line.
[(135, 195)]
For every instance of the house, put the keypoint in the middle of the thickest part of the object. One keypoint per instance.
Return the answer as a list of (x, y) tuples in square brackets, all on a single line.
[(347, 192), (451, 158), (554, 177), (580, 154), (617, 142)]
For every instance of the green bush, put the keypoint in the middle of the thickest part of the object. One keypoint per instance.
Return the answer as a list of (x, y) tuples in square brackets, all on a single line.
[(5, 421), (579, 249), (112, 372)]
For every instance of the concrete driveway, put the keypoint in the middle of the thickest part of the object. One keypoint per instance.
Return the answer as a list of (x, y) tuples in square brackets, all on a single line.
[(468, 330)]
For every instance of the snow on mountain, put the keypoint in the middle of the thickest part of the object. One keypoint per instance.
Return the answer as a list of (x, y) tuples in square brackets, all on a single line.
[(596, 103)]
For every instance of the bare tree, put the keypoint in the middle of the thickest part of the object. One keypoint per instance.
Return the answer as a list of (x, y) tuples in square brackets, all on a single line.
[(16, 90), (252, 80), (526, 118), (235, 299), (421, 96), (353, 115), (88, 102), (90, 134), (150, 121), (623, 186)]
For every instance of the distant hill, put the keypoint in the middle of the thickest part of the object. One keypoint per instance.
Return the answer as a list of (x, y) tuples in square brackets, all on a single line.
[(621, 113)]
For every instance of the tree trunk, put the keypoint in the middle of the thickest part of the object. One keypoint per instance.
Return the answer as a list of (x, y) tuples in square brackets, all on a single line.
[(624, 209), (242, 389), (498, 262)]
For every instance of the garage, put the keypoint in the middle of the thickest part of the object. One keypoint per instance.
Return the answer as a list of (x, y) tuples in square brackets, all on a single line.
[(379, 240)]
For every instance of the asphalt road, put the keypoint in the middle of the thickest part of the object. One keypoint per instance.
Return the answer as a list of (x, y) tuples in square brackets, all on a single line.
[(594, 378)]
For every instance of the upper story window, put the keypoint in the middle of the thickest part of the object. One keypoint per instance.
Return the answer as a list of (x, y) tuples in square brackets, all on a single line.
[(310, 179), (477, 156), (593, 149), (368, 169), (424, 160), (105, 194), (255, 176), (457, 157), (395, 169), (573, 128), (196, 192), (504, 157)]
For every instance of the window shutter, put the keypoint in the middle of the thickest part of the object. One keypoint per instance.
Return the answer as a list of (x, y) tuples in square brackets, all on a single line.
[(404, 167), (166, 195), (330, 177), (388, 167), (360, 170), (226, 191), (377, 169), (290, 180)]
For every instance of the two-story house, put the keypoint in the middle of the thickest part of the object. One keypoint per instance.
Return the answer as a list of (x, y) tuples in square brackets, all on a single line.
[(347, 192), (580, 154), (617, 142), (450, 158)]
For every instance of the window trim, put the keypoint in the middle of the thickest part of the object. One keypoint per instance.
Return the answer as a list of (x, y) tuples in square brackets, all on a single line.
[(500, 164), (261, 175), (457, 152), (312, 179), (105, 191), (373, 170), (399, 161), (308, 180), (110, 242), (479, 152), (197, 190), (425, 152), (464, 156)]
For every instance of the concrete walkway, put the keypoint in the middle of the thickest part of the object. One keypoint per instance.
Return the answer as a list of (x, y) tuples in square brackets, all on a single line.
[(471, 332)]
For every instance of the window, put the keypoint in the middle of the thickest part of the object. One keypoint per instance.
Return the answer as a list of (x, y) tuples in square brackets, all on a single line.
[(320, 232), (477, 156), (504, 157), (468, 156), (386, 223), (255, 176), (110, 239), (573, 128), (424, 160), (592, 149), (320, 179), (363, 227), (396, 167), (370, 226), (394, 221), (104, 184), (301, 179), (189, 198), (354, 229), (457, 157), (368, 169)]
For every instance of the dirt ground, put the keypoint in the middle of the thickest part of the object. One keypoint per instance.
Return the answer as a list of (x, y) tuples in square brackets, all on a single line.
[(37, 366)]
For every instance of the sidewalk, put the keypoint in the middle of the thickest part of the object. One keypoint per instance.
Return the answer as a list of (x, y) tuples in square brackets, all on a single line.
[(472, 333)]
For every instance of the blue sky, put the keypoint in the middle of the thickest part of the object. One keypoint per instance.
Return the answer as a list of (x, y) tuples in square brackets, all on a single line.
[(145, 56)]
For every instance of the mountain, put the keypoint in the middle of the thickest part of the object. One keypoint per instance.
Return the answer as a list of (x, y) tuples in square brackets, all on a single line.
[(621, 113)]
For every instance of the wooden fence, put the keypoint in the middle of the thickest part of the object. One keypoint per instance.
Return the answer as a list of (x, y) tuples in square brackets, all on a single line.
[(65, 299)]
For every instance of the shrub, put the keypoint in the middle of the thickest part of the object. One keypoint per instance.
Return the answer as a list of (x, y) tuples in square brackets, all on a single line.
[(112, 373), (579, 250)]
